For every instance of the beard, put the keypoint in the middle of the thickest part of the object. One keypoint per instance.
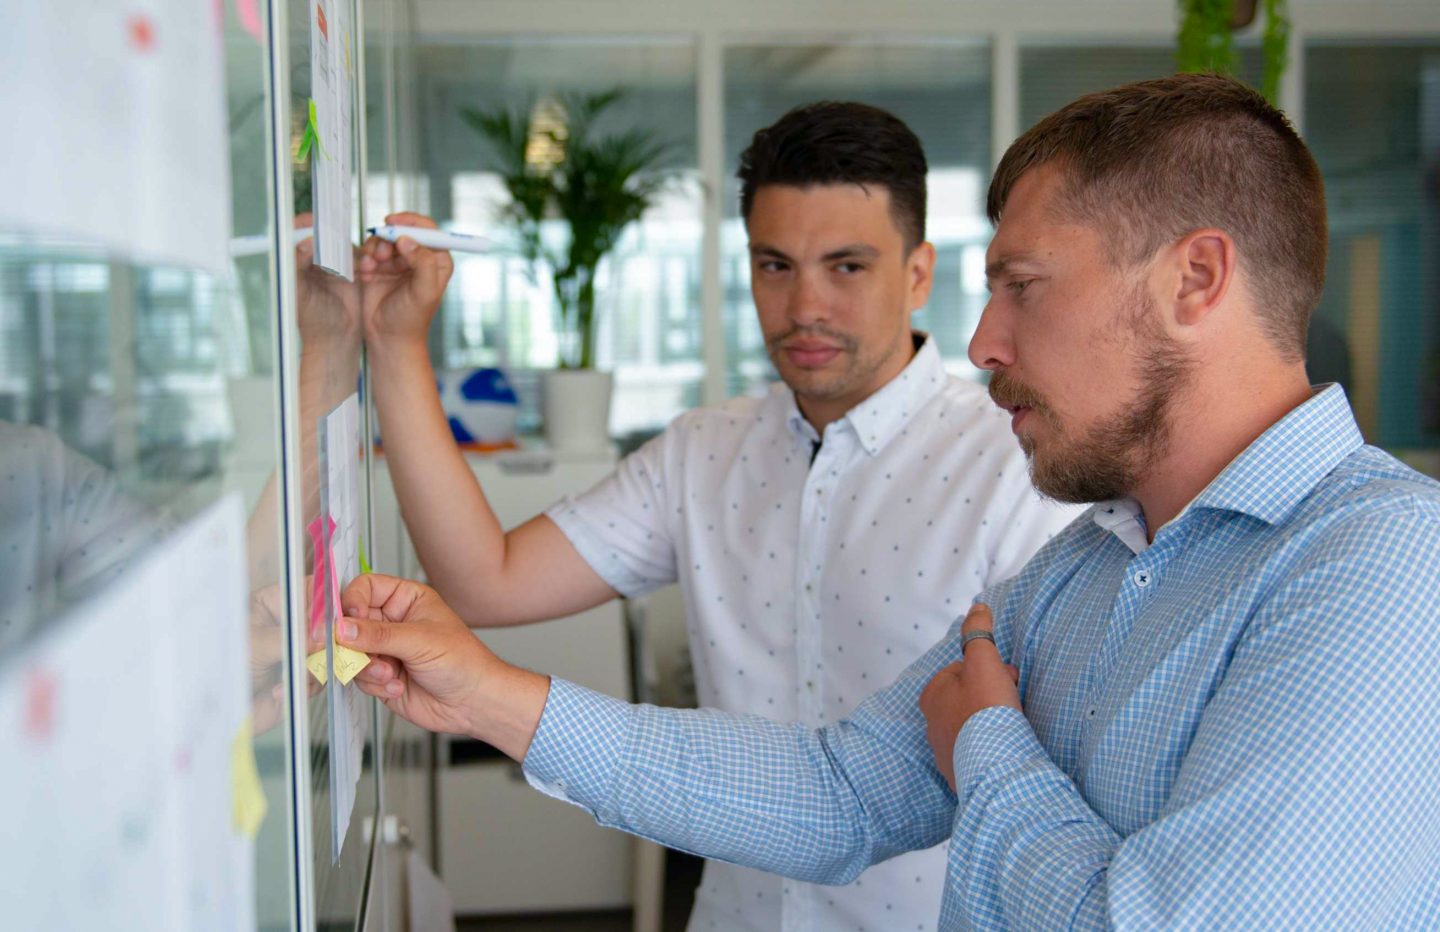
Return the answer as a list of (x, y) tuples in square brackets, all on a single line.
[(1110, 459)]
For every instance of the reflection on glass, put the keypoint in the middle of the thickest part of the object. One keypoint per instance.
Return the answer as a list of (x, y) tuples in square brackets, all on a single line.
[(1372, 117), (134, 397), (496, 311), (942, 92)]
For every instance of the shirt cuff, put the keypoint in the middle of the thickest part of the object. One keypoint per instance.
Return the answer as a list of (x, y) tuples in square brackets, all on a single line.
[(577, 745), (992, 738), (595, 550)]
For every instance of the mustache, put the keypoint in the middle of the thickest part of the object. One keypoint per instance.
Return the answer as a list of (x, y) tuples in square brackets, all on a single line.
[(1009, 392), (843, 340)]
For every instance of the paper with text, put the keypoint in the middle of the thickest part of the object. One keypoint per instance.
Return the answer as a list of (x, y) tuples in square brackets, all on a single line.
[(332, 178)]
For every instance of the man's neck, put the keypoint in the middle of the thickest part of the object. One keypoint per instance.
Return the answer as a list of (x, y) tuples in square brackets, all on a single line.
[(1208, 434), (821, 413)]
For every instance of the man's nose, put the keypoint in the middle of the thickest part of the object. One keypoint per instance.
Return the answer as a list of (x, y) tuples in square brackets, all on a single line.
[(808, 304), (991, 347)]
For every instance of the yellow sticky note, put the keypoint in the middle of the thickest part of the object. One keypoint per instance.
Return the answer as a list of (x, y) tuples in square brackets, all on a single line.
[(349, 662), (315, 663), (247, 795)]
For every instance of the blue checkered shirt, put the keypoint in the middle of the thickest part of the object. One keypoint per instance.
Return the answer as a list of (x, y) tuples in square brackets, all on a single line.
[(1237, 725)]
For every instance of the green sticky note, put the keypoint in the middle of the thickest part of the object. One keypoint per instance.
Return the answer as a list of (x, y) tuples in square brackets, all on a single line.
[(311, 136)]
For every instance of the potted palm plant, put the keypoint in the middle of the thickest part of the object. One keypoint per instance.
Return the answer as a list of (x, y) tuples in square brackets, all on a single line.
[(555, 164)]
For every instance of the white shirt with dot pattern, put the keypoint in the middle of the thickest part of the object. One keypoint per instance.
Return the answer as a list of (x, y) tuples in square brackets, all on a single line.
[(808, 586), (66, 530)]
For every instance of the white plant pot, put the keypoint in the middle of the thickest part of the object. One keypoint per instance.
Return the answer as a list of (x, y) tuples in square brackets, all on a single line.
[(577, 409)]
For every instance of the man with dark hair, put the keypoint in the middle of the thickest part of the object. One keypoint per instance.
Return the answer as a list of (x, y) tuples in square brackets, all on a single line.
[(1221, 707), (824, 535)]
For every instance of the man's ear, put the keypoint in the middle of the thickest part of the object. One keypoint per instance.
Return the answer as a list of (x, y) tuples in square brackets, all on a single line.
[(920, 274), (1204, 268)]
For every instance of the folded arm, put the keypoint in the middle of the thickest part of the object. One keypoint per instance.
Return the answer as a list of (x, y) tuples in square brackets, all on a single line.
[(1304, 796)]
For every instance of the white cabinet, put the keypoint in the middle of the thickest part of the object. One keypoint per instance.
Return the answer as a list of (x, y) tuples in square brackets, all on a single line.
[(504, 848)]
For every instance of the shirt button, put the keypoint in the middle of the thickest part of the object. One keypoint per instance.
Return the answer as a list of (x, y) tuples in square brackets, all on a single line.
[(1090, 713), (809, 684), (1143, 578), (809, 588)]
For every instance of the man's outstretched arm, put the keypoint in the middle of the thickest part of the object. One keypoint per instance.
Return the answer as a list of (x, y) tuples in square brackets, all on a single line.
[(815, 805), (491, 577)]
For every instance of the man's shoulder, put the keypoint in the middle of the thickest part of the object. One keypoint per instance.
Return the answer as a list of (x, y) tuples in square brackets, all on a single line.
[(1371, 484), (1371, 518), (710, 426)]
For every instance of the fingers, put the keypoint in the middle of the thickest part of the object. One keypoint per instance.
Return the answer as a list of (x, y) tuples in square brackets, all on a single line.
[(979, 619), (408, 218), (380, 670), (406, 643), (431, 267), (370, 591)]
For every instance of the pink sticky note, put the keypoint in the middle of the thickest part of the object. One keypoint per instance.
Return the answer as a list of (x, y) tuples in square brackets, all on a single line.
[(40, 690), (322, 584), (248, 12)]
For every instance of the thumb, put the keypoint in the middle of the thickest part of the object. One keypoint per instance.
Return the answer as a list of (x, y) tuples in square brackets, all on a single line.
[(401, 641)]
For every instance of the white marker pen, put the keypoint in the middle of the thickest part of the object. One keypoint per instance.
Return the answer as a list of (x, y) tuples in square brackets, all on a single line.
[(434, 239), (260, 243)]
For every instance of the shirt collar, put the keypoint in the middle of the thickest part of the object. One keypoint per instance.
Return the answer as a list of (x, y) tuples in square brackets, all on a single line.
[(880, 417), (1284, 465), (1270, 478)]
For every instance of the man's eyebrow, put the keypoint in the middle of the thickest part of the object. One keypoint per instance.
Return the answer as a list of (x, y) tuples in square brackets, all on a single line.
[(760, 249), (851, 251), (1000, 266)]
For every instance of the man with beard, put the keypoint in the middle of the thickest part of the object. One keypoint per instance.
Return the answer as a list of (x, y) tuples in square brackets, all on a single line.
[(824, 536), (1213, 702)]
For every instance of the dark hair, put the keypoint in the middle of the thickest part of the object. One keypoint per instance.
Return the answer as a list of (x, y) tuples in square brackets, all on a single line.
[(834, 142), (1147, 163)]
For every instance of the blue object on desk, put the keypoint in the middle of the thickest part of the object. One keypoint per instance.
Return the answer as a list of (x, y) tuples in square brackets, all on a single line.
[(481, 407)]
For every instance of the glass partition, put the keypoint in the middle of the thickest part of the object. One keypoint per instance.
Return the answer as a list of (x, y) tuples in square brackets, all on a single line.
[(942, 91), (327, 308)]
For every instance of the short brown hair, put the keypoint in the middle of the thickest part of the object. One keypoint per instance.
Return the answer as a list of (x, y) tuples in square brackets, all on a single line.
[(1151, 161)]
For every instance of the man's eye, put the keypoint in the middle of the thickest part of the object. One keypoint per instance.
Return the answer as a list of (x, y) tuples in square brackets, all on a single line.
[(850, 268), (770, 265), (1018, 287)]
